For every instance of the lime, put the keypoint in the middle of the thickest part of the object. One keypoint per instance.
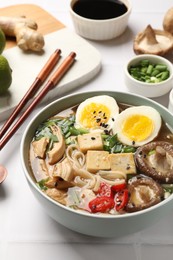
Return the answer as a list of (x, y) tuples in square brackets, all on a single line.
[(2, 41), (5, 75)]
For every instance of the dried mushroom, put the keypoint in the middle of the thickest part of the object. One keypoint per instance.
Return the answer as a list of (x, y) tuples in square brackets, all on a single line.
[(64, 170), (57, 152), (152, 41), (168, 21), (39, 147)]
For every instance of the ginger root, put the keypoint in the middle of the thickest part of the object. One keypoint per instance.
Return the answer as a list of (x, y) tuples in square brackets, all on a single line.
[(25, 31)]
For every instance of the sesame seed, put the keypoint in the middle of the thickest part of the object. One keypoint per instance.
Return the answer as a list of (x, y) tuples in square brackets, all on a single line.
[(106, 132), (128, 167)]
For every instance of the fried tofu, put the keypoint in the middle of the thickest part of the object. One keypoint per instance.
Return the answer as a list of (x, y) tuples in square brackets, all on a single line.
[(91, 141), (122, 162), (97, 160)]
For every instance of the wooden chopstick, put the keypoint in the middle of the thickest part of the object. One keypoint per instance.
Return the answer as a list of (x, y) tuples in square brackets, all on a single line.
[(41, 77), (57, 75)]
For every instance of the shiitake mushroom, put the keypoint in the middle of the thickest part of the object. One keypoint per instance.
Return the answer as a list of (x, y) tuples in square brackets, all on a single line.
[(168, 21), (155, 160), (153, 41), (144, 192)]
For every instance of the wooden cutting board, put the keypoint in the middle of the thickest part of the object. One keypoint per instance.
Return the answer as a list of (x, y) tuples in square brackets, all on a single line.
[(26, 65)]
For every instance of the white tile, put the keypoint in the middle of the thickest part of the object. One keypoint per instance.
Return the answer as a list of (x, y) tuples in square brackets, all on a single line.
[(158, 252), (152, 7), (27, 251), (26, 231), (161, 232)]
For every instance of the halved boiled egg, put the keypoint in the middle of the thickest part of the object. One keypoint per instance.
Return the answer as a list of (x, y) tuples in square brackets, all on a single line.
[(137, 125), (98, 112)]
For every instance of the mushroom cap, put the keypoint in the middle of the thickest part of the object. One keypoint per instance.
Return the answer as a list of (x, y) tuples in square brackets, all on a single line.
[(153, 41), (157, 165), (168, 21), (144, 192)]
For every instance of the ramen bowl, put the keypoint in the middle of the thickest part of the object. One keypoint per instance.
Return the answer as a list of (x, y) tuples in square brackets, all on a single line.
[(149, 89), (102, 225), (170, 105), (102, 28)]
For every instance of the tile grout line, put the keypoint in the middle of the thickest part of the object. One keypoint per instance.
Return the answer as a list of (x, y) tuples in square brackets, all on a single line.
[(137, 249), (137, 245)]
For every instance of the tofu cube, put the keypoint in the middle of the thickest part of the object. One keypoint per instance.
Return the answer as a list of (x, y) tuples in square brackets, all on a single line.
[(91, 141), (97, 160), (122, 162)]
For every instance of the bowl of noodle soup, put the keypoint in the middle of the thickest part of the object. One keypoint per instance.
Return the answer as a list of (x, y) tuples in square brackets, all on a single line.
[(73, 188)]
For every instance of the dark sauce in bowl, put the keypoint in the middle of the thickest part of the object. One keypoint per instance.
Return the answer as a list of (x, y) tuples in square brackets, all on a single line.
[(99, 9)]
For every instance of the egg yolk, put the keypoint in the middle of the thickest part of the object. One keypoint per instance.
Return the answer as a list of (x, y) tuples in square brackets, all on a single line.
[(94, 115), (137, 127)]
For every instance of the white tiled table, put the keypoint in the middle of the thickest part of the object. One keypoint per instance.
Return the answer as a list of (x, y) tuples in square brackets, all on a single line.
[(26, 232)]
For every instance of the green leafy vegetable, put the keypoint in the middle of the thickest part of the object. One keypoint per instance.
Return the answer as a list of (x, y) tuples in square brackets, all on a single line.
[(66, 125), (113, 145), (41, 184), (168, 188), (46, 131), (151, 152)]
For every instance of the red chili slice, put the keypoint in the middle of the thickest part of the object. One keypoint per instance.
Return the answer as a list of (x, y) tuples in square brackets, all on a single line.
[(121, 199), (118, 187), (104, 190), (101, 204)]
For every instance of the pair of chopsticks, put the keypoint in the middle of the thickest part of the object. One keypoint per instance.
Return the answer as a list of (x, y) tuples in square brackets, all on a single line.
[(51, 83)]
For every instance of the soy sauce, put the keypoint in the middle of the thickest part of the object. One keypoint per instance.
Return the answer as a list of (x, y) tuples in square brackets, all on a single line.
[(99, 9)]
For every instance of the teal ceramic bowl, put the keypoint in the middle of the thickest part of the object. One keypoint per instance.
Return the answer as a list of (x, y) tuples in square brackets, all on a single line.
[(93, 225)]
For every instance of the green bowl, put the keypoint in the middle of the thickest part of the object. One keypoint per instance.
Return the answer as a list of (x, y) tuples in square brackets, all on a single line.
[(85, 223)]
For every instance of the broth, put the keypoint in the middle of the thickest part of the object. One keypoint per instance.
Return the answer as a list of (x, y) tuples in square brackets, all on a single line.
[(100, 9), (67, 186)]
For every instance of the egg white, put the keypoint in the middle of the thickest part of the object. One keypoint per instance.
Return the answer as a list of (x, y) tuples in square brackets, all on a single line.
[(94, 105), (151, 116)]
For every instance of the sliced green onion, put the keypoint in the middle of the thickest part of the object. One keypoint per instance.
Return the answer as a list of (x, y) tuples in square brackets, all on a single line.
[(148, 72)]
